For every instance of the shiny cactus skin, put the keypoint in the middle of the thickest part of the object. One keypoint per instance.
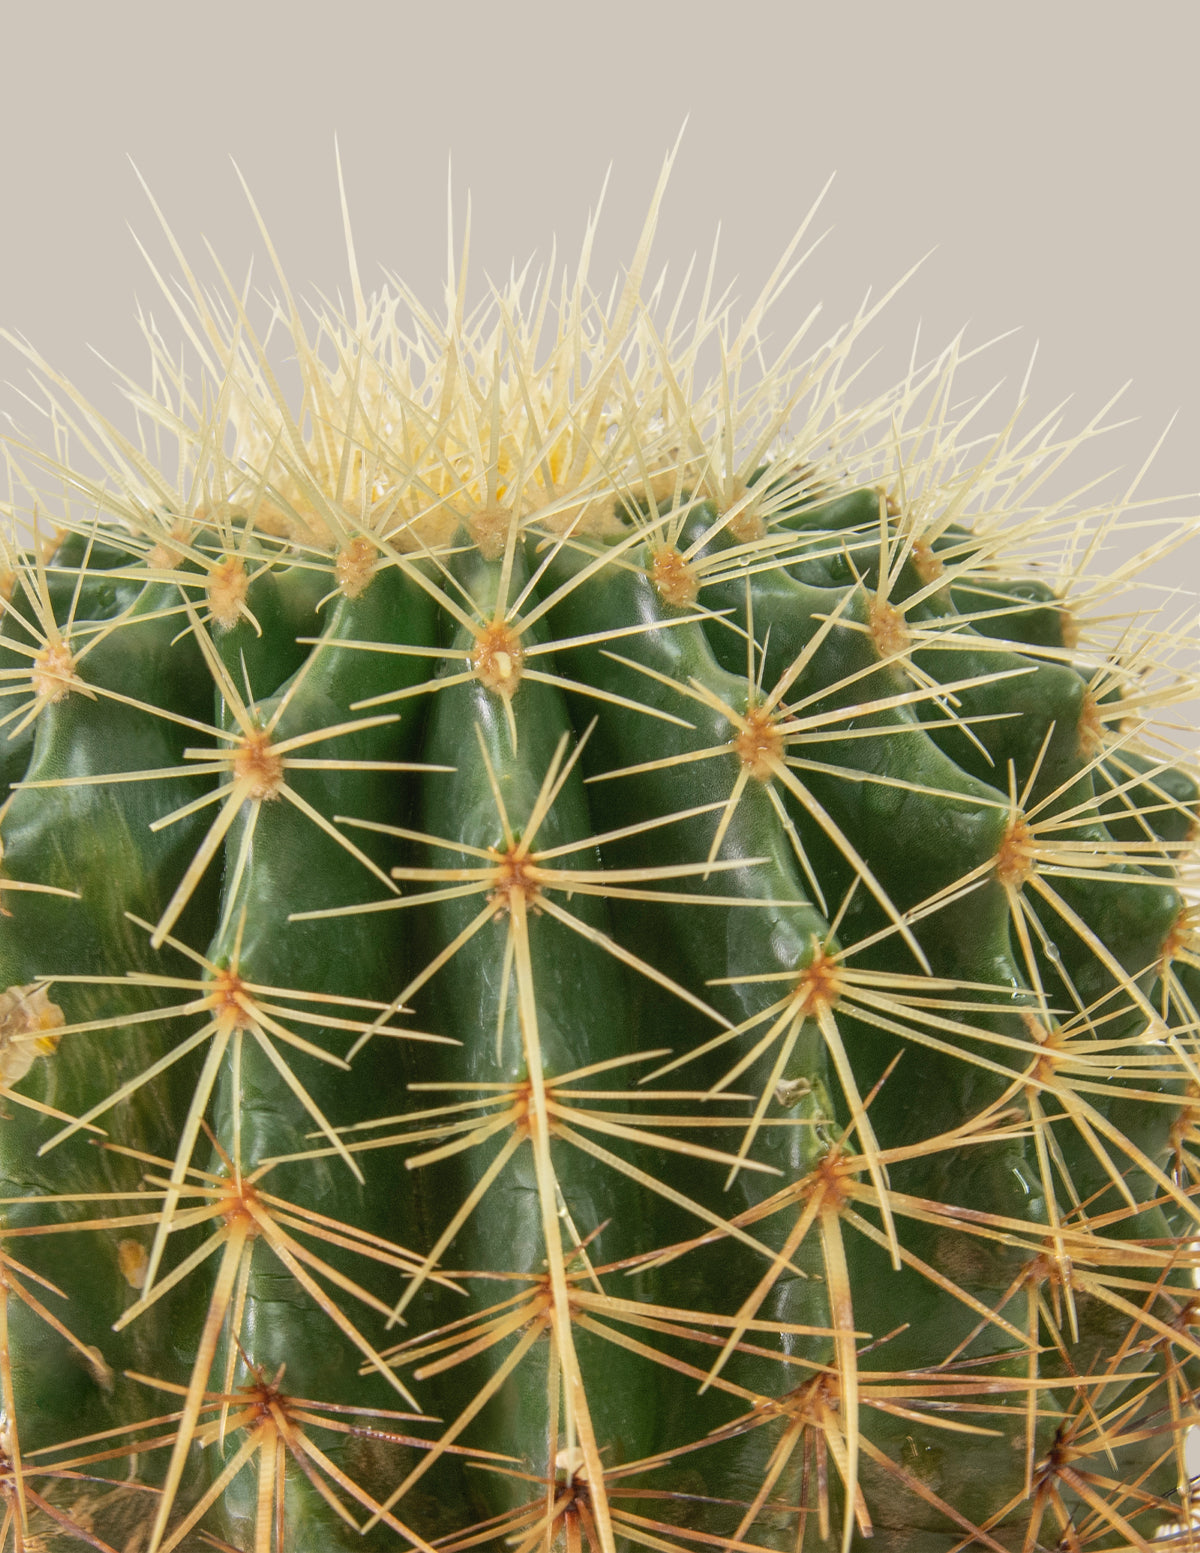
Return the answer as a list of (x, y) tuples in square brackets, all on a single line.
[(594, 956)]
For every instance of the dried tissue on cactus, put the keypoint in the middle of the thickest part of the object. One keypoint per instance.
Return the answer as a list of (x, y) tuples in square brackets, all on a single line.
[(596, 946)]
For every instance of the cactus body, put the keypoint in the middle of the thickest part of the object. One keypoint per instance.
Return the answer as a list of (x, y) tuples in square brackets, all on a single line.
[(585, 969)]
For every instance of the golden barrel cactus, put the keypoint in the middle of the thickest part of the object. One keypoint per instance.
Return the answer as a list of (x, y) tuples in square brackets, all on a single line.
[(596, 949)]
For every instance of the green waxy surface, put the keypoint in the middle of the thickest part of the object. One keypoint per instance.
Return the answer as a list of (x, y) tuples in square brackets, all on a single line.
[(91, 840), (579, 997), (292, 866)]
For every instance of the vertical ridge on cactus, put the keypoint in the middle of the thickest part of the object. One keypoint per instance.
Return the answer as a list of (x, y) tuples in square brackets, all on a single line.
[(599, 947)]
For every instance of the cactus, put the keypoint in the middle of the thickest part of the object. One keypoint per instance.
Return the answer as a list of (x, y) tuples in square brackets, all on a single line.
[(596, 951)]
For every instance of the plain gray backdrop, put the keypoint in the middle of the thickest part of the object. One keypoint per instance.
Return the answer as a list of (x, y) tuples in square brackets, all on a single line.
[(1046, 152)]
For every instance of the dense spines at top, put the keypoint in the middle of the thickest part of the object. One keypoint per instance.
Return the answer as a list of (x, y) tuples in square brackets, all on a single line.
[(594, 957)]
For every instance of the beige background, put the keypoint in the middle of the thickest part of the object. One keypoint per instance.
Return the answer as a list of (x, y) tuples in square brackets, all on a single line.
[(1048, 150)]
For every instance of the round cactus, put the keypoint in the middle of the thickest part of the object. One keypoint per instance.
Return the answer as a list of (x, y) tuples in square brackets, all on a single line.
[(596, 953)]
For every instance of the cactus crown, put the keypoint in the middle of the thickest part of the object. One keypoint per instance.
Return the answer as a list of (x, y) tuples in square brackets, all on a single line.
[(597, 950)]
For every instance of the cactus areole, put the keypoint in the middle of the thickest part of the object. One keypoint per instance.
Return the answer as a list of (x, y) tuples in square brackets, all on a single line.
[(595, 950)]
